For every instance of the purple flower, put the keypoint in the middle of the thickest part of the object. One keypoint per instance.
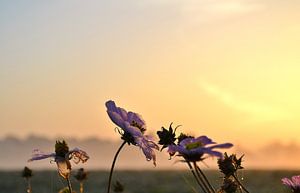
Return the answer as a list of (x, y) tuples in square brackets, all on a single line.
[(133, 127), (193, 149), (294, 184), (62, 156)]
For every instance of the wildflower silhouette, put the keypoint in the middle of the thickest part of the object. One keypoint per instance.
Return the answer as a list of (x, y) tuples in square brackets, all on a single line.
[(294, 183), (192, 150), (62, 157), (27, 174), (118, 187), (131, 128), (81, 176), (229, 165)]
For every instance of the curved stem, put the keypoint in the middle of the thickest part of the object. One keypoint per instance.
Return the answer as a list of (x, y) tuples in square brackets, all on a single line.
[(199, 181), (69, 185), (243, 187), (204, 177), (113, 165)]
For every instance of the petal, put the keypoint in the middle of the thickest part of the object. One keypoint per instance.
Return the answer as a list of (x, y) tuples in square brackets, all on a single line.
[(287, 182), (116, 119), (78, 155), (136, 118), (296, 179), (123, 113), (212, 152), (147, 148), (172, 149), (111, 106), (134, 131), (38, 155), (204, 140), (223, 145), (187, 141)]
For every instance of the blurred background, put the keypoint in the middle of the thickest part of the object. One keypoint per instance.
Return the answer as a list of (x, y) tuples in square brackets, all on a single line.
[(226, 69)]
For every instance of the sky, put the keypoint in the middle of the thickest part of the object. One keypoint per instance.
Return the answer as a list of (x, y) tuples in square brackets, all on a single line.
[(227, 69)]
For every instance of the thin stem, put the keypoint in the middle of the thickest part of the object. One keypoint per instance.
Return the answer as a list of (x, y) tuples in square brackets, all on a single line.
[(199, 181), (113, 166), (28, 185), (204, 177), (243, 187), (81, 187), (69, 185)]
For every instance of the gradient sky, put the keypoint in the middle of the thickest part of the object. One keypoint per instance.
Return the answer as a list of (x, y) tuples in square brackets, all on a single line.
[(228, 69)]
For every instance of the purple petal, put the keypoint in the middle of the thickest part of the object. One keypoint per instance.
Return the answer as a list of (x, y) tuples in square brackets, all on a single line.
[(116, 119), (204, 140), (172, 149), (212, 152), (134, 131), (287, 182), (147, 148), (136, 118), (123, 113), (296, 180), (187, 141), (111, 106), (38, 155), (222, 146)]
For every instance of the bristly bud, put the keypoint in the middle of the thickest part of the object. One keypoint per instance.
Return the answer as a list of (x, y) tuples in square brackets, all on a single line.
[(26, 173), (61, 148), (81, 175), (229, 186), (229, 165), (167, 137), (183, 136), (118, 187)]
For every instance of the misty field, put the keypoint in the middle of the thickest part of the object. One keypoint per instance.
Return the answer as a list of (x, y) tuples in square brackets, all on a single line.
[(141, 181)]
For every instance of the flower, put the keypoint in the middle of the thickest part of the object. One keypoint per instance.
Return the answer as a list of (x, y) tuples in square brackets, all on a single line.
[(62, 156), (133, 127), (81, 175), (193, 149), (167, 137), (294, 184), (26, 173), (229, 165)]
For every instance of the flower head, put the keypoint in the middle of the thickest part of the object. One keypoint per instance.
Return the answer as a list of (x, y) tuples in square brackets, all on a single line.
[(26, 173), (133, 127), (228, 165), (118, 187), (81, 175), (62, 157), (294, 183), (193, 149), (167, 137), (229, 186)]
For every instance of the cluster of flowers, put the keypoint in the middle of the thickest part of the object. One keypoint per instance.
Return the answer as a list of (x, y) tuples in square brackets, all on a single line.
[(192, 150)]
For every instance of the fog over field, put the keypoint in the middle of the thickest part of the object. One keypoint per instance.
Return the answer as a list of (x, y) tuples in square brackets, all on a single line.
[(15, 153)]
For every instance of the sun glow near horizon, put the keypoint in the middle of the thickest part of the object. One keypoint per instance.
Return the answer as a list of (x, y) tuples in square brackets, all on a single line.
[(229, 70)]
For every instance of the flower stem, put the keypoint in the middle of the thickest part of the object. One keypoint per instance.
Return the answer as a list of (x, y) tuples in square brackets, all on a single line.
[(81, 187), (204, 177), (69, 185), (199, 181), (113, 166), (28, 185), (237, 180)]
